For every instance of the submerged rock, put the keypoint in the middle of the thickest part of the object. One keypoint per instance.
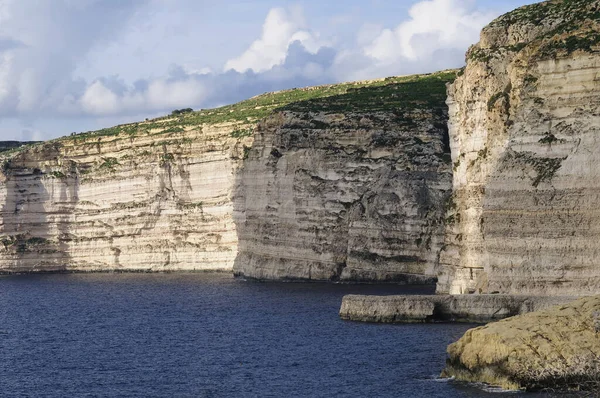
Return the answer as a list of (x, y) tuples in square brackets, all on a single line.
[(557, 348)]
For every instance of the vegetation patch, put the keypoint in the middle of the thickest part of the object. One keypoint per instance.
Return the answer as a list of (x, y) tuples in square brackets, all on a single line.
[(570, 12), (583, 42), (128, 205), (319, 125), (57, 174), (483, 153), (453, 219), (562, 18), (456, 165), (192, 205), (405, 93), (530, 79), (404, 96), (6, 164), (240, 133), (503, 94), (450, 203), (22, 243), (549, 139), (166, 158), (545, 168), (109, 164), (182, 111), (384, 139), (484, 55), (8, 146)]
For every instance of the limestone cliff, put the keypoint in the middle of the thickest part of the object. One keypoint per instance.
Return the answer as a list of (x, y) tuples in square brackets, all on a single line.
[(148, 196), (351, 187), (524, 128), (344, 160)]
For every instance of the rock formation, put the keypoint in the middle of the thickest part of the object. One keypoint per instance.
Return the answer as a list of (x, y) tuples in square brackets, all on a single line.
[(558, 348), (524, 127), (153, 196), (443, 307), (350, 188), (330, 165)]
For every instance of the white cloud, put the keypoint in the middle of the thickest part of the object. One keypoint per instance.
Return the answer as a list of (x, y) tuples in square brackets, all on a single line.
[(436, 36), (80, 64), (433, 25), (158, 94), (98, 99), (280, 29), (48, 40), (171, 94)]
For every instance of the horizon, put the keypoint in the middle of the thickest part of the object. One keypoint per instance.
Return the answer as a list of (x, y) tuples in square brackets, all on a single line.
[(87, 66)]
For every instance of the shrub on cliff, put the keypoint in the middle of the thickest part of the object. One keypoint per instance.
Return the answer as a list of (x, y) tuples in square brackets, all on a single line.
[(181, 111)]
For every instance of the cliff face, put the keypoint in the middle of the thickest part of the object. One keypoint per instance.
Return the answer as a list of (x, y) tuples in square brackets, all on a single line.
[(152, 196), (339, 176), (524, 128), (350, 188)]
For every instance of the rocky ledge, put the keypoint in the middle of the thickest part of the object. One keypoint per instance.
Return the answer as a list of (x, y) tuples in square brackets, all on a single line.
[(442, 308), (558, 349)]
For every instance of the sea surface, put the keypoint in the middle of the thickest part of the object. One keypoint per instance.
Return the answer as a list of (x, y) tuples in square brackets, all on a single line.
[(210, 335)]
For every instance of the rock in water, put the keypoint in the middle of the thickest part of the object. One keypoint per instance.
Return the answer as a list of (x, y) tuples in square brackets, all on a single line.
[(558, 348)]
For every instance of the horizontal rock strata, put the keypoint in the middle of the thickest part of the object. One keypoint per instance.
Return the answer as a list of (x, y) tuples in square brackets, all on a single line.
[(524, 127), (342, 182), (442, 308), (350, 188), (154, 196), (556, 349)]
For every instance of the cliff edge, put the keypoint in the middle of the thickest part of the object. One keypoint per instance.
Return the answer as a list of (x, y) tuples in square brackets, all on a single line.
[(524, 127)]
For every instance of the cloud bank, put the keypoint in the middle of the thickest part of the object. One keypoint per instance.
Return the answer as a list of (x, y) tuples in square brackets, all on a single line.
[(41, 53)]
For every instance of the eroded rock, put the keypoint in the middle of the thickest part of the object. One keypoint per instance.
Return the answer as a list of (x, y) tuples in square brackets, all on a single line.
[(350, 188), (557, 348), (524, 127), (479, 308)]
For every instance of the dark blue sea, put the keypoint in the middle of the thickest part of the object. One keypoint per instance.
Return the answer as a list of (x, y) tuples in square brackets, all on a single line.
[(209, 335)]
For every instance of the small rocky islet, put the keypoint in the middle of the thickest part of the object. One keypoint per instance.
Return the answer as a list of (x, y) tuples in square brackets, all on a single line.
[(484, 180)]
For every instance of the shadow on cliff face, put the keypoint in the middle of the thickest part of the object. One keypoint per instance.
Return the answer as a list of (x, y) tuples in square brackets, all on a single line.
[(292, 211), (34, 223)]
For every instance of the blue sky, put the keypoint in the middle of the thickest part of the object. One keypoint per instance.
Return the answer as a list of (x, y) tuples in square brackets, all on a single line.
[(78, 65)]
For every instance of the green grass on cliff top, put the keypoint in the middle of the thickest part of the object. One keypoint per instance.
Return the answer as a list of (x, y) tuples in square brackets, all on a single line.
[(563, 12), (402, 93), (383, 94), (562, 27)]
